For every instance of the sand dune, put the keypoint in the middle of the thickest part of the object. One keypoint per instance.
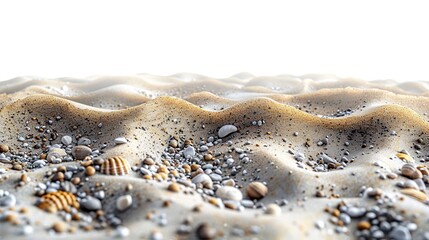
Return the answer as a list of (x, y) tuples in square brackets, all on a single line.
[(315, 144)]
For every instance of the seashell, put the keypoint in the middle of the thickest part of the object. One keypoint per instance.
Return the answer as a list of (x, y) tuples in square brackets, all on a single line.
[(422, 197), (256, 190), (204, 179), (55, 153), (410, 171), (423, 169), (115, 166), (405, 157), (226, 130), (229, 193), (57, 201)]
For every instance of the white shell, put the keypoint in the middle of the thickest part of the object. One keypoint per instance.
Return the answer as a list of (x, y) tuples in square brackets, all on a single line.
[(226, 130), (229, 193), (204, 179)]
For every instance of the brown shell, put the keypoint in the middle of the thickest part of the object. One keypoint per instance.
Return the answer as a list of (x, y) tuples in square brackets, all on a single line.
[(57, 201), (415, 194), (115, 166)]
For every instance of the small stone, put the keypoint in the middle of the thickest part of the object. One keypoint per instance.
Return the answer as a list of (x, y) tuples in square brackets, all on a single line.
[(205, 232), (320, 225), (80, 152), (59, 176), (148, 161), (229, 193), (55, 153), (208, 157), (124, 202), (400, 233), (59, 227), (155, 235), (189, 152), (173, 143), (122, 232), (229, 182), (363, 225), (273, 209), (66, 140), (355, 212), (17, 167), (256, 190), (27, 230), (4, 148), (84, 141), (204, 179), (392, 175), (90, 171), (120, 140), (174, 187), (226, 130), (8, 201), (91, 203)]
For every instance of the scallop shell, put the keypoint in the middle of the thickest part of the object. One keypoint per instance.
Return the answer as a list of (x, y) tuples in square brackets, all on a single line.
[(56, 201), (115, 166), (410, 171), (415, 194)]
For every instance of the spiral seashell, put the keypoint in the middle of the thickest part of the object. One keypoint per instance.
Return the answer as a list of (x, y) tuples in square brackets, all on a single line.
[(115, 166), (57, 201), (410, 171), (422, 197)]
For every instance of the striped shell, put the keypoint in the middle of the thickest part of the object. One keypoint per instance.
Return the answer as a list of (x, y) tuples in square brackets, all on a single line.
[(115, 166), (57, 201)]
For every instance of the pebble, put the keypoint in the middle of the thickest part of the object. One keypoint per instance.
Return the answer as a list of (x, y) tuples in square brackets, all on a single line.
[(124, 202), (55, 153), (363, 225), (229, 193), (91, 203), (4, 148), (120, 140), (59, 227), (148, 161), (320, 224), (400, 233), (84, 141), (204, 231), (7, 201), (226, 130), (90, 171), (355, 212), (80, 152), (273, 209), (256, 190), (27, 230), (155, 235), (204, 179), (345, 218), (189, 152), (122, 232), (216, 177), (174, 187), (66, 140)]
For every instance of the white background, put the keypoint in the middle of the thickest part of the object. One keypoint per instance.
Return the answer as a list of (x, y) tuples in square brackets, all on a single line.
[(374, 39)]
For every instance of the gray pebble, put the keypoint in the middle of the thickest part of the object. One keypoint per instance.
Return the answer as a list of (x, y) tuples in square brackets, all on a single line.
[(84, 141), (355, 212), (226, 130), (216, 177), (80, 152), (90, 203), (400, 233), (66, 140), (120, 140), (345, 218), (189, 152), (7, 201)]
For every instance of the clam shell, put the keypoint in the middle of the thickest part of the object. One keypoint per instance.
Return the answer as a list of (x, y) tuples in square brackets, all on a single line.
[(226, 130), (256, 190), (415, 194), (411, 172), (56, 201), (115, 166)]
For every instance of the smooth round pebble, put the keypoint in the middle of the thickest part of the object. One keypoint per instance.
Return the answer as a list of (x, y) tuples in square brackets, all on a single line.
[(204, 231), (90, 203), (273, 209), (124, 202), (229, 193), (174, 187), (80, 152), (7, 201), (226, 130), (59, 227)]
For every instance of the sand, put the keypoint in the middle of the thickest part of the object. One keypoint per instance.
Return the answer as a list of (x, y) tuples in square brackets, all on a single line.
[(366, 122)]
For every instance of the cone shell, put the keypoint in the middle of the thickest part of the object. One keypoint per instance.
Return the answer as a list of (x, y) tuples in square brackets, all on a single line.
[(115, 166), (57, 201)]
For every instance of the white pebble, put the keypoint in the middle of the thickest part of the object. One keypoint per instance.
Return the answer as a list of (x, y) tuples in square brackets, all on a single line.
[(120, 140), (226, 130), (124, 202)]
